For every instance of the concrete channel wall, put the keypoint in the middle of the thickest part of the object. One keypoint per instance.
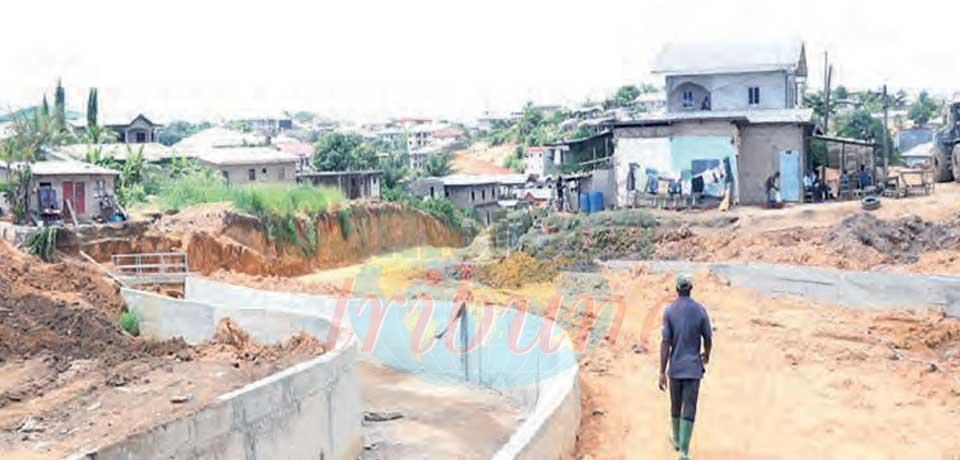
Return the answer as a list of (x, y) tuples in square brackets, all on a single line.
[(872, 290), (311, 410), (524, 357)]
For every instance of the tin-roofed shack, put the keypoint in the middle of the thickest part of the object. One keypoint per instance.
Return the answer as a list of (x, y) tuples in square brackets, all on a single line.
[(67, 189)]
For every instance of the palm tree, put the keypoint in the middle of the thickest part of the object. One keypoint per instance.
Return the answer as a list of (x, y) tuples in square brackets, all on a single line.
[(437, 165), (97, 134)]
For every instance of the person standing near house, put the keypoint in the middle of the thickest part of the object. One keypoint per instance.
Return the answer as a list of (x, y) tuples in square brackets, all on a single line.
[(864, 177), (772, 186), (685, 324), (560, 194)]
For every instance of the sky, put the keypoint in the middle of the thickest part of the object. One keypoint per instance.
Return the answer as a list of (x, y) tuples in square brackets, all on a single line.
[(369, 60)]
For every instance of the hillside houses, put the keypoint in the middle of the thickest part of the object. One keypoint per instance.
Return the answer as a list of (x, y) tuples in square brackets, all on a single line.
[(732, 118)]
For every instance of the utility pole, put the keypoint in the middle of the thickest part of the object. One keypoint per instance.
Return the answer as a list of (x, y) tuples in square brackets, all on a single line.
[(886, 131), (827, 75)]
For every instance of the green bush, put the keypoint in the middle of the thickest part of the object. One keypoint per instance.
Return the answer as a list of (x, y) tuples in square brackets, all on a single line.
[(43, 243), (130, 322), (344, 217)]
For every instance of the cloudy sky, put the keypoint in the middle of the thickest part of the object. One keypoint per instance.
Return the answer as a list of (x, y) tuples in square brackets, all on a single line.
[(455, 58)]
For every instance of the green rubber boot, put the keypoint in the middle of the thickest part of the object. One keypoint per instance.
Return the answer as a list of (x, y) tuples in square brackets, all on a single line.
[(675, 433), (686, 432)]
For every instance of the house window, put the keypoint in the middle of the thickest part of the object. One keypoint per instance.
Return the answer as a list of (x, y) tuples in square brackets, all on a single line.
[(753, 95), (251, 174), (473, 195), (431, 192), (141, 138), (264, 171), (686, 99), (483, 194), (226, 177)]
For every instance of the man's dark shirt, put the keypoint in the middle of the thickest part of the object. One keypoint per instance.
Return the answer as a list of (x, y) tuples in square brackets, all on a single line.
[(685, 322)]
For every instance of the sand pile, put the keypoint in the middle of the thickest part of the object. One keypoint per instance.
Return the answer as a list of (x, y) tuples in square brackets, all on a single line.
[(517, 270)]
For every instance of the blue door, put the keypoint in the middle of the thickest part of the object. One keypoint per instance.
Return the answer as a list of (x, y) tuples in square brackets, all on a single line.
[(790, 176)]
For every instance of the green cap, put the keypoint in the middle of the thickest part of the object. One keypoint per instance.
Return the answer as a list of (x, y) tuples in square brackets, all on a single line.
[(683, 282)]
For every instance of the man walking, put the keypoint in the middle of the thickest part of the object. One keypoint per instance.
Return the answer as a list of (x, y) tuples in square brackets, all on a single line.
[(685, 323)]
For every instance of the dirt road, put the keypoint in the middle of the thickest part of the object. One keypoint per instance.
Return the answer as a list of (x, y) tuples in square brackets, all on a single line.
[(787, 380)]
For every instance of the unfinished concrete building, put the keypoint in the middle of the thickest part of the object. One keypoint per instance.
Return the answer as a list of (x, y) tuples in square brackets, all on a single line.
[(474, 194), (733, 119), (353, 184)]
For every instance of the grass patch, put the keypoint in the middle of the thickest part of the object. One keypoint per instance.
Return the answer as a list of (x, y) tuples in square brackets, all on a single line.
[(287, 211)]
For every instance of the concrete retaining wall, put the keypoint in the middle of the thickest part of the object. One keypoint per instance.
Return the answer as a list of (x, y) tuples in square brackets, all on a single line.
[(503, 353), (312, 410), (855, 289), (17, 235)]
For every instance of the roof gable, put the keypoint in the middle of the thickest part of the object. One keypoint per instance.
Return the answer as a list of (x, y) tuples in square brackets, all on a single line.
[(729, 57)]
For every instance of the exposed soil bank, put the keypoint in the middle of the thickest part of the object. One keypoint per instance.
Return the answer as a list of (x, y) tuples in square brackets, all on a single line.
[(861, 241), (215, 237)]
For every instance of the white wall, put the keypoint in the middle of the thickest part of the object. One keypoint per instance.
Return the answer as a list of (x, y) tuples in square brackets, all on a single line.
[(311, 410), (275, 173), (729, 91), (91, 193), (543, 384)]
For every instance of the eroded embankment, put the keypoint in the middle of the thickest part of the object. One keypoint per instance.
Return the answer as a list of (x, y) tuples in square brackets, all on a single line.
[(215, 237)]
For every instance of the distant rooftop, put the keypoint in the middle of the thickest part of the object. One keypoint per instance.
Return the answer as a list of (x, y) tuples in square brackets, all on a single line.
[(804, 115), (454, 180), (218, 137), (151, 151), (235, 156), (731, 57), (366, 172)]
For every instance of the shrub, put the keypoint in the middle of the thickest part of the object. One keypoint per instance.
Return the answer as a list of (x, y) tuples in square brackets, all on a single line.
[(130, 322), (343, 216), (440, 208), (43, 243)]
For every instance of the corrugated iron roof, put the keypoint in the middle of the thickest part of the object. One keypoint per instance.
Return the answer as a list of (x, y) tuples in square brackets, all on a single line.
[(233, 156), (68, 168), (151, 151)]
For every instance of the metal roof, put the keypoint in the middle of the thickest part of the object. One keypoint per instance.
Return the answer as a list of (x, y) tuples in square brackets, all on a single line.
[(151, 151), (731, 57), (369, 172), (455, 180), (235, 156), (69, 168), (218, 137)]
